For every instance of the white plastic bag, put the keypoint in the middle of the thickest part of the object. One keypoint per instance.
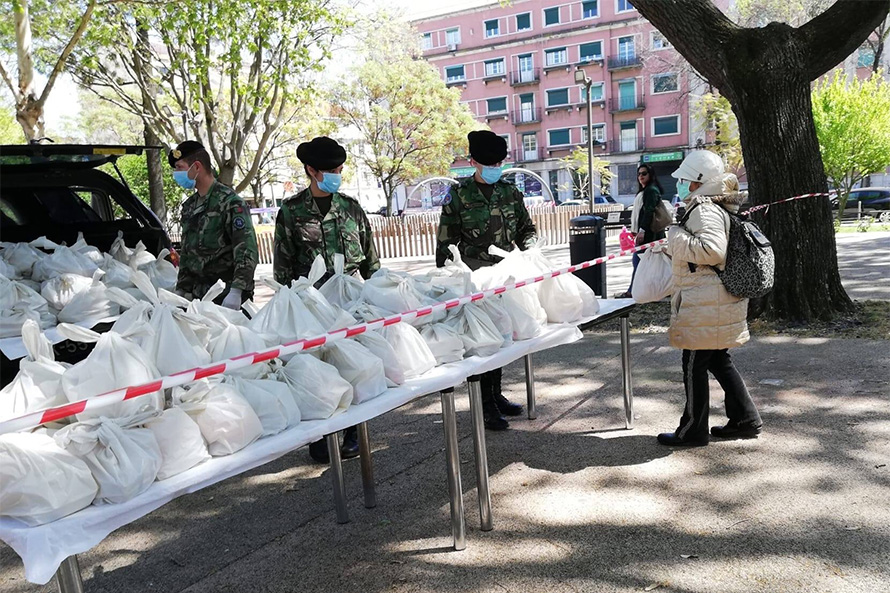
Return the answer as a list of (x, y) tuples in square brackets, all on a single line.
[(444, 342), (455, 269), (90, 252), (226, 420), (59, 291), (379, 347), (41, 482), (18, 303), (405, 339), (141, 257), (391, 292), (475, 328), (177, 341), (38, 384), (654, 279), (7, 271), (22, 258), (318, 388), (179, 440), (560, 297), (115, 362), (124, 461), (329, 316), (63, 260), (341, 289), (161, 272), (117, 274), (215, 316), (95, 304), (236, 340), (119, 249), (359, 366), (272, 401), (285, 317), (493, 306)]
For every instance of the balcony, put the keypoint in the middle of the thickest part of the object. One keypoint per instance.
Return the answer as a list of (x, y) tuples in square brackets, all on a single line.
[(497, 115), (526, 156), (527, 116), (557, 66), (456, 82), (486, 78), (628, 145), (524, 77), (620, 104), (621, 62)]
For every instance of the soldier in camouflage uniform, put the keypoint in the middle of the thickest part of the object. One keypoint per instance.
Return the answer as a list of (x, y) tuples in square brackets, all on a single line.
[(482, 211), (321, 220), (218, 240)]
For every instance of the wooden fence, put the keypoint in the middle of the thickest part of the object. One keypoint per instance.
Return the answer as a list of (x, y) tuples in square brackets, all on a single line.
[(414, 235)]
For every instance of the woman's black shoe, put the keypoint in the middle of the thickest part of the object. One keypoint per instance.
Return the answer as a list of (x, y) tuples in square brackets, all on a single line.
[(670, 439), (733, 430)]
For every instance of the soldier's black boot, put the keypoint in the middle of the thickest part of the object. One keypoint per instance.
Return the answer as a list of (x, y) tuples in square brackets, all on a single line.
[(318, 451), (505, 406), (349, 449), (491, 416)]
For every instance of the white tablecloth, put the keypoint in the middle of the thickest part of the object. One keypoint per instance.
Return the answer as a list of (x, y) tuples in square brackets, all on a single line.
[(14, 347), (44, 547)]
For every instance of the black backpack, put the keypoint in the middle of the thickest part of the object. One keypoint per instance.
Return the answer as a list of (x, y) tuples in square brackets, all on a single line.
[(750, 264)]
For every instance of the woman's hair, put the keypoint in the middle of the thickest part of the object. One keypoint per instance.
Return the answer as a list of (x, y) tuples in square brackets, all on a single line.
[(653, 179)]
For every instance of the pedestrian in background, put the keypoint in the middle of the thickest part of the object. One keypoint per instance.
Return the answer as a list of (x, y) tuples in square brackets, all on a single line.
[(649, 192), (706, 321)]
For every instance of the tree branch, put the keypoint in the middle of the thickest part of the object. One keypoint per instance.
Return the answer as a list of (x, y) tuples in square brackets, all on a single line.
[(8, 80), (837, 32), (63, 57)]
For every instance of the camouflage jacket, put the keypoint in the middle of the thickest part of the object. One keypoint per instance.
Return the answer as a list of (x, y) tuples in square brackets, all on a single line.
[(473, 222), (301, 233), (218, 242)]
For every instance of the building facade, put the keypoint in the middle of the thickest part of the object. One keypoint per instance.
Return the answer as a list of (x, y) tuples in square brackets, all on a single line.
[(515, 65)]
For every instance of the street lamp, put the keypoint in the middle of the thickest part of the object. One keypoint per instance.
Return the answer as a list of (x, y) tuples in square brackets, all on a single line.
[(582, 78)]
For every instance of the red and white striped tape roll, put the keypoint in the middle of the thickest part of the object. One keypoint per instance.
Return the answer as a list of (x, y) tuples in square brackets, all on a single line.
[(37, 418)]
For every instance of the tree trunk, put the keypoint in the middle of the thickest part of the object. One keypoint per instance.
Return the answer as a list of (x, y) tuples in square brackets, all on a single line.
[(765, 73), (142, 61), (28, 108), (155, 176)]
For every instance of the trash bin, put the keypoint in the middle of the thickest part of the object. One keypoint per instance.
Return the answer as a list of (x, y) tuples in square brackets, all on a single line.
[(587, 240)]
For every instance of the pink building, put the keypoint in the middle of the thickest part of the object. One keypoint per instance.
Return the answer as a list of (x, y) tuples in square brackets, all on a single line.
[(515, 65)]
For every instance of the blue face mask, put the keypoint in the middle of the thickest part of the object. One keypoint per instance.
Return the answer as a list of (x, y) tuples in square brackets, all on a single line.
[(183, 180), (491, 174), (683, 190), (330, 183)]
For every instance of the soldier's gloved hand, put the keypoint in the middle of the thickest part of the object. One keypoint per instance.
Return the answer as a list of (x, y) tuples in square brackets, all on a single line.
[(233, 299)]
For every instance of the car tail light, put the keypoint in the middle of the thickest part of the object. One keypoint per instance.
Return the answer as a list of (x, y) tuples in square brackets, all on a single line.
[(174, 257)]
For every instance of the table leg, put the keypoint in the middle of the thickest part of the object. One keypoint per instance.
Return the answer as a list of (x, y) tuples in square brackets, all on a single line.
[(68, 576), (530, 387), (452, 462), (364, 447), (626, 379), (337, 476), (475, 389)]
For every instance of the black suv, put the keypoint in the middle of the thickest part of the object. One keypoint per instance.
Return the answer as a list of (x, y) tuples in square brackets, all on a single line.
[(57, 191)]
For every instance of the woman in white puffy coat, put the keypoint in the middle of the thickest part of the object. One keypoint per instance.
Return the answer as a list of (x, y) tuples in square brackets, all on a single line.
[(705, 319)]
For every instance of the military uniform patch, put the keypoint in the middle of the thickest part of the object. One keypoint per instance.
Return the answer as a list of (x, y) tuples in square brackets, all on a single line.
[(238, 223), (447, 199)]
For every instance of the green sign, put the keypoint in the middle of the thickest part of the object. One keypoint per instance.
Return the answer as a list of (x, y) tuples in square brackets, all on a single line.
[(662, 157)]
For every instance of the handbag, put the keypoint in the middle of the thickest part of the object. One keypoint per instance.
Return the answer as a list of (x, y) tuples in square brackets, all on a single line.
[(662, 218)]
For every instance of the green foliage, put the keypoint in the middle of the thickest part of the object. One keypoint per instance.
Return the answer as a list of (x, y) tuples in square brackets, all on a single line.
[(758, 13), (10, 131), (409, 123), (576, 162), (715, 110), (865, 223), (134, 169), (852, 120)]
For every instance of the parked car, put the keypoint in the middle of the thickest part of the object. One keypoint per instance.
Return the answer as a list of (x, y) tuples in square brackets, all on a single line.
[(57, 191), (575, 203), (872, 198)]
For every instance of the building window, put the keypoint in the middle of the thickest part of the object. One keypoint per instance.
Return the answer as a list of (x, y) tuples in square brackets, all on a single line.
[(551, 16), (623, 5), (559, 137), (659, 42), (426, 41), (497, 105), (590, 51), (664, 83), (495, 67), (452, 36), (666, 126), (599, 133), (524, 21), (506, 138), (866, 58), (454, 74), (626, 49), (492, 28), (556, 57), (556, 97), (589, 9), (596, 93)]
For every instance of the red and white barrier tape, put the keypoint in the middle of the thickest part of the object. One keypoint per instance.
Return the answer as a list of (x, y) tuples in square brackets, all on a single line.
[(765, 206), (39, 417)]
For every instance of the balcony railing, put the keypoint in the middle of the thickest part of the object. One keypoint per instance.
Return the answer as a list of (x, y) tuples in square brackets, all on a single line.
[(628, 145), (617, 63), (526, 156), (497, 115), (526, 116), (521, 77), (619, 104)]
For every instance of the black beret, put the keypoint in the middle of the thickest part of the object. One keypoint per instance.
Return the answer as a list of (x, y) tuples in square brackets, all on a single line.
[(185, 149), (487, 148), (321, 153)]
